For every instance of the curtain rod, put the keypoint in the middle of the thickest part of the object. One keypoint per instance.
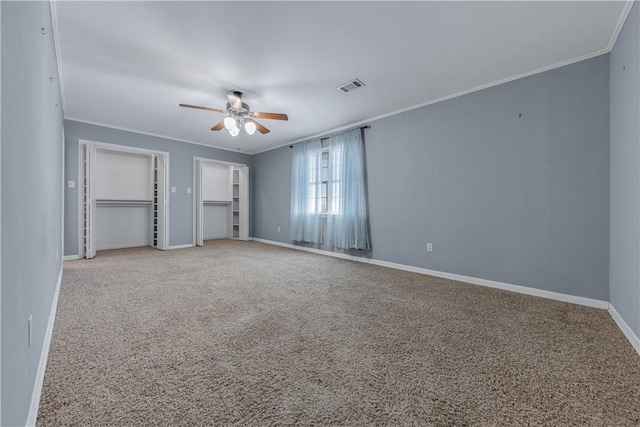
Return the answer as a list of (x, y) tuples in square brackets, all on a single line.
[(336, 133)]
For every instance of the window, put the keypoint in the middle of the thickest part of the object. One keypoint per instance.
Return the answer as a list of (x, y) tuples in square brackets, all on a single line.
[(325, 198), (319, 173), (328, 178), (336, 172)]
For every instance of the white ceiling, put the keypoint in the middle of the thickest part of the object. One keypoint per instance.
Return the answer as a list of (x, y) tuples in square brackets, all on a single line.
[(129, 64)]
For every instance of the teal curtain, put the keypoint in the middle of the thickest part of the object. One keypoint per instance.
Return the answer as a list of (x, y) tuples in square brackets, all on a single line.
[(347, 223), (306, 181)]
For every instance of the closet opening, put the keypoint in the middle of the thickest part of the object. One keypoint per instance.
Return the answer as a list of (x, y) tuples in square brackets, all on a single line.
[(221, 200), (123, 199)]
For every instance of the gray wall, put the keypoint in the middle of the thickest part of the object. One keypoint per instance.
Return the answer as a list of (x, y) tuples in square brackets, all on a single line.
[(181, 156), (624, 278), (272, 194), (31, 197), (522, 200)]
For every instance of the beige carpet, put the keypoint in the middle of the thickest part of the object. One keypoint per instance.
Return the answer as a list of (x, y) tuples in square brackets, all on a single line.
[(251, 334)]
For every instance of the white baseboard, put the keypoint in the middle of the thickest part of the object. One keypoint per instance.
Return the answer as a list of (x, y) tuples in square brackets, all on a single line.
[(624, 327), (188, 245), (44, 355), (70, 257), (468, 279)]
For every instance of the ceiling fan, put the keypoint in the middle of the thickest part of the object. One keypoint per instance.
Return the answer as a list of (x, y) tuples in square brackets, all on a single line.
[(240, 116)]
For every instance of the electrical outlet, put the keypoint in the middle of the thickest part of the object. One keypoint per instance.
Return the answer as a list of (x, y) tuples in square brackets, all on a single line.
[(278, 229), (188, 190), (429, 247), (72, 184), (173, 189)]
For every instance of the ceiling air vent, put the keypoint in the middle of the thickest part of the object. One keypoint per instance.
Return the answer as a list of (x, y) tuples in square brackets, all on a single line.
[(350, 86)]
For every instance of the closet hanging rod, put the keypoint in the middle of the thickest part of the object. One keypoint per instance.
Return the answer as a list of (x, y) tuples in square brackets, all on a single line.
[(216, 202), (120, 202)]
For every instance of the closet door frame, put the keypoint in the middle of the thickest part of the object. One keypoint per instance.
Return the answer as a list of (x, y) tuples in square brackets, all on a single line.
[(88, 205), (198, 163), (243, 202), (82, 149), (198, 227)]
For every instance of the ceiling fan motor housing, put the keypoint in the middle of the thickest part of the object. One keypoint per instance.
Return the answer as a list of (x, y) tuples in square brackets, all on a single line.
[(244, 110)]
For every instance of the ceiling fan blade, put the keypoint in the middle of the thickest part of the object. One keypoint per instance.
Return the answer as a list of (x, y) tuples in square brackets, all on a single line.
[(235, 101), (271, 116), (261, 128), (219, 126), (197, 107)]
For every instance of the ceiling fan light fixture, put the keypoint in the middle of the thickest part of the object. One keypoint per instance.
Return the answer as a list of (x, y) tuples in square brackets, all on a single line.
[(234, 132), (230, 123), (250, 128)]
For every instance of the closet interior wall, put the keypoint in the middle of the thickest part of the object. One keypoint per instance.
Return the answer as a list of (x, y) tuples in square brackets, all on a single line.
[(124, 199)]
